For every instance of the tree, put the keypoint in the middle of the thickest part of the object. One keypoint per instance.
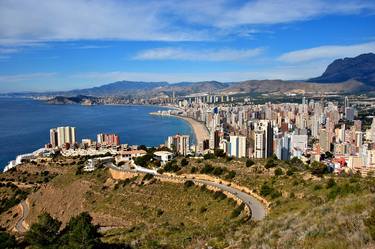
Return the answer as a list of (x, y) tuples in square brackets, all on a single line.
[(44, 233), (219, 153), (7, 241), (184, 162), (249, 163), (80, 233)]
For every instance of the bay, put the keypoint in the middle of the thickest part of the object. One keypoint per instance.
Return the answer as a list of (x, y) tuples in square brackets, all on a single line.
[(25, 124)]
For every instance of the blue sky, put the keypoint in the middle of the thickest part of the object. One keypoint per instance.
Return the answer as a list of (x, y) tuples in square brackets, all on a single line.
[(60, 45)]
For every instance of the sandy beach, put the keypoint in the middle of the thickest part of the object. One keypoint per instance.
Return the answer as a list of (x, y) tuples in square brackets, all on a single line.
[(200, 130)]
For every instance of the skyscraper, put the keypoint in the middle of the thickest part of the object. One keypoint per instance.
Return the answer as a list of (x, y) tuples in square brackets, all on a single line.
[(66, 135), (237, 146), (263, 139), (53, 138), (179, 143)]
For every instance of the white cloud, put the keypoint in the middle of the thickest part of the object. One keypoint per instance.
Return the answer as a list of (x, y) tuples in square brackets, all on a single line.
[(195, 55), (327, 52), (169, 20), (224, 14)]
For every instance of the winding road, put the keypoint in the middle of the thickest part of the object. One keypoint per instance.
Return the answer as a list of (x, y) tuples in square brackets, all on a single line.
[(258, 209), (24, 213)]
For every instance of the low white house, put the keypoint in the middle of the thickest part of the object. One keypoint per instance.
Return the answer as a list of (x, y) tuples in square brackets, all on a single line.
[(127, 155), (92, 164), (163, 156)]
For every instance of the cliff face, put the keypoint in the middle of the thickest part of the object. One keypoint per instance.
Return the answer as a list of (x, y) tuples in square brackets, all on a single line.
[(360, 68)]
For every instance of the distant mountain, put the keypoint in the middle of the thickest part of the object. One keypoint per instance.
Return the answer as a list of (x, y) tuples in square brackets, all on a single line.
[(119, 88), (360, 68), (281, 86)]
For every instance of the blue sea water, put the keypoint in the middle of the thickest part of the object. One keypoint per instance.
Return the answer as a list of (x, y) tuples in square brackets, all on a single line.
[(25, 124)]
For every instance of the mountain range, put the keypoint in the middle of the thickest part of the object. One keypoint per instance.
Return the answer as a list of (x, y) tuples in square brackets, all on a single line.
[(346, 75)]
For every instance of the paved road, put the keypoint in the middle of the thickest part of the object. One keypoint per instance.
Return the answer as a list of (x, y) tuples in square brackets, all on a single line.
[(24, 213), (258, 209)]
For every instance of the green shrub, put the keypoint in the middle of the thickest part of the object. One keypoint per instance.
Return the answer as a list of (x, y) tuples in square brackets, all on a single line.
[(231, 174), (249, 163), (331, 182), (265, 190), (278, 172), (237, 211), (209, 156), (207, 169), (189, 184), (184, 162), (193, 170), (218, 171)]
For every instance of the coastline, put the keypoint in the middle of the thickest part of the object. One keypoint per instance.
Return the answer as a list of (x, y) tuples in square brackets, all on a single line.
[(199, 129)]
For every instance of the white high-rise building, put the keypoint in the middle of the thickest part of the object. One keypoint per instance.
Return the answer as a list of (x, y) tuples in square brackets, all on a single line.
[(263, 139), (179, 143), (237, 146), (298, 144), (66, 135)]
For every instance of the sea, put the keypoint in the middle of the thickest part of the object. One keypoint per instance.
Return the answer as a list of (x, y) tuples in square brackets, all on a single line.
[(25, 124)]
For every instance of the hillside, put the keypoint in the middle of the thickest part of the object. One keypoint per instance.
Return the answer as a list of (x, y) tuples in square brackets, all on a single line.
[(269, 86), (360, 68), (308, 209)]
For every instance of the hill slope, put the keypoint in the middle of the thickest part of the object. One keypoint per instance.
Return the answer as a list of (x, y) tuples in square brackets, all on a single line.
[(360, 68)]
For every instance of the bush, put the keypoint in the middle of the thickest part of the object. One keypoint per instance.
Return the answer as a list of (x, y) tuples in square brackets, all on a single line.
[(275, 194), (193, 170), (231, 174), (209, 156), (189, 184), (218, 171), (331, 182), (219, 153), (237, 211), (270, 163), (207, 169), (289, 172), (184, 162), (278, 172), (249, 163), (171, 167), (265, 190)]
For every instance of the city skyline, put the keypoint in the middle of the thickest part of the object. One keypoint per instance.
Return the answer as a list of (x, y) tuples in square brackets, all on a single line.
[(54, 48)]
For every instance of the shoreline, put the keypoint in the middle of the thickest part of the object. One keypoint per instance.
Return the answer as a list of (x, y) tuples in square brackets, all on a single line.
[(200, 130)]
